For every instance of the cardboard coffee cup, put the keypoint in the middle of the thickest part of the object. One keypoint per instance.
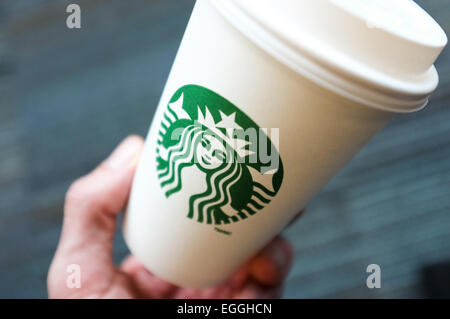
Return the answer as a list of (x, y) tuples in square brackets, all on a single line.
[(266, 101)]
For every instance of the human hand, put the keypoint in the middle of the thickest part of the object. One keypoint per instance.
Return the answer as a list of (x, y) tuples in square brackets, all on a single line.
[(90, 216)]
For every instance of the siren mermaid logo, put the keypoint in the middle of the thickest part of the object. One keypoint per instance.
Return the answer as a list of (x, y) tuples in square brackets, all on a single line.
[(236, 164)]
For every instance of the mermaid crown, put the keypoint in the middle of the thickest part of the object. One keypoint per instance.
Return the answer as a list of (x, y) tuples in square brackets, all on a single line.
[(227, 122)]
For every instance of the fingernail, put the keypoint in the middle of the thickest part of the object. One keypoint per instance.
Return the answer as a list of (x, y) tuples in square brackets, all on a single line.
[(239, 278), (272, 264), (126, 154), (278, 256), (250, 291)]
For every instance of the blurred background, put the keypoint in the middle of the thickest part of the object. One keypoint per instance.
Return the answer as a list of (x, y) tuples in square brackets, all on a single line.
[(69, 96)]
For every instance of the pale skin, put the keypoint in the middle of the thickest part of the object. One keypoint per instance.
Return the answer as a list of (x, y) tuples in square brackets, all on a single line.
[(91, 208)]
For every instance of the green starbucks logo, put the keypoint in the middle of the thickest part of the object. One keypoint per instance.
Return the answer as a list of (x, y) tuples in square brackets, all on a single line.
[(236, 164)]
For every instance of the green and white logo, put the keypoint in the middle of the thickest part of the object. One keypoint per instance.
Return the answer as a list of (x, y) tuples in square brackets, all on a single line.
[(235, 161)]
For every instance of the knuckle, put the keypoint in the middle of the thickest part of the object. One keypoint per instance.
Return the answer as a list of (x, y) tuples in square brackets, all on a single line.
[(75, 192), (90, 193), (80, 194)]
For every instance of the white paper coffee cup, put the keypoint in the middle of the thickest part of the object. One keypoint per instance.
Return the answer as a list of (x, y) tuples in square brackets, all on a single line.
[(319, 78)]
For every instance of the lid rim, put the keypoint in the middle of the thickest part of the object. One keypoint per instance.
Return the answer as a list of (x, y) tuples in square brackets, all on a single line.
[(423, 42), (325, 73)]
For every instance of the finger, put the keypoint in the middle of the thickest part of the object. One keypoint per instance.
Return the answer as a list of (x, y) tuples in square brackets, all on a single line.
[(150, 286), (147, 283), (254, 290), (272, 264), (90, 211), (240, 277), (227, 288), (94, 200)]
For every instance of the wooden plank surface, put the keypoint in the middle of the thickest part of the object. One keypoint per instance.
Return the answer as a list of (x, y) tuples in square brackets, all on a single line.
[(68, 97)]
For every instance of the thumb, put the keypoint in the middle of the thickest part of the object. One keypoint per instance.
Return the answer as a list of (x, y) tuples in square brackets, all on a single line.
[(94, 200), (90, 211)]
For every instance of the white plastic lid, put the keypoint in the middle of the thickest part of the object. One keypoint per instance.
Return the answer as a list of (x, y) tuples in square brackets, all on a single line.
[(379, 52)]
